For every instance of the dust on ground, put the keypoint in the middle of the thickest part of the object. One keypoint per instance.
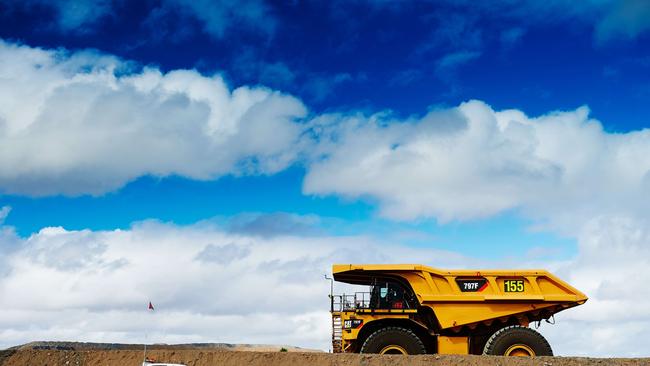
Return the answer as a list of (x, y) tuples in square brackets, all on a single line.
[(225, 357)]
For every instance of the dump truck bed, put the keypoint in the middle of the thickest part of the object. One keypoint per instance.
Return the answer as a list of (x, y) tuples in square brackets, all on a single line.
[(466, 297)]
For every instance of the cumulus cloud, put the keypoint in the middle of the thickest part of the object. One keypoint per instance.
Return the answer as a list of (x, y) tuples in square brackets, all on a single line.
[(560, 169), (473, 162), (201, 278), (613, 269), (77, 123), (95, 285), (88, 123)]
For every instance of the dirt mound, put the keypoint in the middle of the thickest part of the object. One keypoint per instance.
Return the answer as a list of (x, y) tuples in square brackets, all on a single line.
[(214, 357), (5, 355), (87, 346)]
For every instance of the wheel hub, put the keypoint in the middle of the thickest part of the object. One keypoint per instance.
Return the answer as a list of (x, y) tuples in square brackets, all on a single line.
[(520, 350), (393, 349)]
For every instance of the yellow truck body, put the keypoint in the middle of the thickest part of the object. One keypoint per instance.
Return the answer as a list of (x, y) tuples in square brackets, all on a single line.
[(446, 311)]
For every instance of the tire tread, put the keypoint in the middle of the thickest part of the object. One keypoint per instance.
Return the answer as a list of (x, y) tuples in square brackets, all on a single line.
[(489, 346), (382, 331)]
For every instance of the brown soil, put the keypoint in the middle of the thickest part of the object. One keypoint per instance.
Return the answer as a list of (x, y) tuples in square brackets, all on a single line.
[(5, 355), (212, 357), (86, 346)]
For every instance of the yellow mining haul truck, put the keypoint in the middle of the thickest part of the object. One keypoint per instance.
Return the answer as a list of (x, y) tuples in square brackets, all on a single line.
[(414, 309)]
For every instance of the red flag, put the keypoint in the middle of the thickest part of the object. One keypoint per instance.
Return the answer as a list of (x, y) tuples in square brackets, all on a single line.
[(150, 306)]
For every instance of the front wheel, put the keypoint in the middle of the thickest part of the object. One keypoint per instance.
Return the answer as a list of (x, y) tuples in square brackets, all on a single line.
[(393, 340), (516, 340)]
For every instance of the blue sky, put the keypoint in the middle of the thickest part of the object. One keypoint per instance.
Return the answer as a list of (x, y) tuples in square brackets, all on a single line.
[(508, 133), (368, 56), (407, 57)]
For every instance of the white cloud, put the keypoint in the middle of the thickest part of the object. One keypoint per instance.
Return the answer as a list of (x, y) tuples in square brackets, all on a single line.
[(89, 285), (612, 269), (560, 169), (88, 123), (94, 286), (473, 162), (85, 123)]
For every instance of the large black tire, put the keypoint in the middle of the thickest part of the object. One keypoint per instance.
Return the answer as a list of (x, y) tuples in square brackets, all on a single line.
[(393, 340), (516, 340)]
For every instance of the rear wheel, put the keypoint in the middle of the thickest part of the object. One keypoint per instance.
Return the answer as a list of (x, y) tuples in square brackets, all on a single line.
[(516, 340), (393, 340)]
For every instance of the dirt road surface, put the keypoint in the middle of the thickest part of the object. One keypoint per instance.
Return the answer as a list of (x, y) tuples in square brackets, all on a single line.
[(202, 357)]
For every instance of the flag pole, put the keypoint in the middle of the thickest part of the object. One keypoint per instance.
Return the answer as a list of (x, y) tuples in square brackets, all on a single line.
[(144, 359)]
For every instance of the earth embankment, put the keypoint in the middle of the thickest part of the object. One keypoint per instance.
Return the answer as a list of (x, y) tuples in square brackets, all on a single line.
[(220, 357)]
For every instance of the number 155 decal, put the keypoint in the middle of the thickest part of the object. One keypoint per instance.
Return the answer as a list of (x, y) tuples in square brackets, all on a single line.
[(513, 285)]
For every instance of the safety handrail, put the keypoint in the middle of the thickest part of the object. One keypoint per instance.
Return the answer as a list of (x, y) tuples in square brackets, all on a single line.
[(360, 300)]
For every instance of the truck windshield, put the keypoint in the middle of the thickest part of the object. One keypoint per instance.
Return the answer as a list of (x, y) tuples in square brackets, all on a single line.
[(389, 294)]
